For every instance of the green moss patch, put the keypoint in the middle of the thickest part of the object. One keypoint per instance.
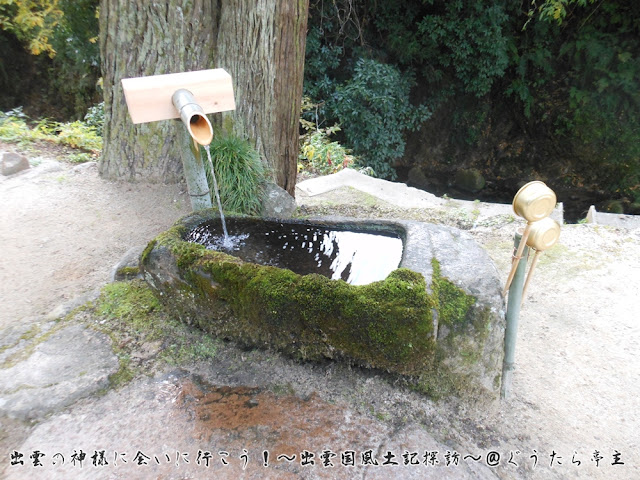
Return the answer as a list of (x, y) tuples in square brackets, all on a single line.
[(453, 303), (144, 335), (132, 303)]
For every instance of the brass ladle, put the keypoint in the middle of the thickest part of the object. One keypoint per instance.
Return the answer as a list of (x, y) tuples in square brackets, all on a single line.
[(533, 202), (544, 235)]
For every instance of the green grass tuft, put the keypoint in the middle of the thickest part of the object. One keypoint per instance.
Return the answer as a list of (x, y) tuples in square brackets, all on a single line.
[(239, 172), (143, 334)]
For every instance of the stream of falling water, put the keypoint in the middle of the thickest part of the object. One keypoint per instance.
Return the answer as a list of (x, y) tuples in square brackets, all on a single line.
[(227, 240)]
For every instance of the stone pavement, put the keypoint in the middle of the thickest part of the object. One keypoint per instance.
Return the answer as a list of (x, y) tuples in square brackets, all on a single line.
[(174, 427), (73, 362), (200, 421)]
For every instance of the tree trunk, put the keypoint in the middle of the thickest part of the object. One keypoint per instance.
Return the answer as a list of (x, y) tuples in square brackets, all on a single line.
[(261, 43), (140, 38)]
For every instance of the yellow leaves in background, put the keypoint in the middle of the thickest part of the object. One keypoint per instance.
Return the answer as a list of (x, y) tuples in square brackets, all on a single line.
[(33, 21)]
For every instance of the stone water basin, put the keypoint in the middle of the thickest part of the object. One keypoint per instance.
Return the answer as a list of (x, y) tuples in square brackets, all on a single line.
[(429, 311)]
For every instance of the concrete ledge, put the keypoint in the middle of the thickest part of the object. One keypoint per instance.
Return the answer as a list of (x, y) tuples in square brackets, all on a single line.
[(403, 196), (395, 193), (612, 219)]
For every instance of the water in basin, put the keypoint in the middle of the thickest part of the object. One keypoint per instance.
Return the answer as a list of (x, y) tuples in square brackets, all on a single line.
[(355, 256)]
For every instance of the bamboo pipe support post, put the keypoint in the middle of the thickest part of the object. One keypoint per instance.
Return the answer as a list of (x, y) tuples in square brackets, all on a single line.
[(149, 99)]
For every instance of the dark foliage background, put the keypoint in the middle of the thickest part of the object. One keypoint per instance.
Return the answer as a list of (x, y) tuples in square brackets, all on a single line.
[(516, 90), (62, 86), (507, 87)]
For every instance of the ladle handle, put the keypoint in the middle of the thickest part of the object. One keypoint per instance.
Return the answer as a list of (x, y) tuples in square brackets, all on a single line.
[(533, 266), (517, 257)]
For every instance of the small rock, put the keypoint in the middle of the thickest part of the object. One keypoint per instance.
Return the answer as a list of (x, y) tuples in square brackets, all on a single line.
[(127, 267), (85, 167), (276, 202), (12, 163), (470, 180), (48, 166)]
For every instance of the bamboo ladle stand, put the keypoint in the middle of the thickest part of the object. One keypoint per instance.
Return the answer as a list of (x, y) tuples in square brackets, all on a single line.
[(534, 202)]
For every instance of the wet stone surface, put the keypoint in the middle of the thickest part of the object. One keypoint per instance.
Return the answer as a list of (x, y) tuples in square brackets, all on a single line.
[(57, 372), (178, 426)]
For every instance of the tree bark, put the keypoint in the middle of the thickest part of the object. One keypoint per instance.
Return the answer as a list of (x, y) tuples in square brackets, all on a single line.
[(139, 38), (261, 43)]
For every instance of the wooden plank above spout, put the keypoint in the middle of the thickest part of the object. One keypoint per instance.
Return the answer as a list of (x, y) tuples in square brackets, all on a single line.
[(149, 98)]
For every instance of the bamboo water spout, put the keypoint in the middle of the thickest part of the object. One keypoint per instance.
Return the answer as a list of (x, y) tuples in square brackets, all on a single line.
[(151, 98), (188, 96), (193, 116)]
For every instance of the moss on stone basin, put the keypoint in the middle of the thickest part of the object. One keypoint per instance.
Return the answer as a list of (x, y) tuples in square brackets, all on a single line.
[(415, 323)]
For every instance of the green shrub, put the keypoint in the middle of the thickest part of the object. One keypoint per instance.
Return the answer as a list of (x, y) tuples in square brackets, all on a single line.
[(362, 58), (62, 37), (373, 107), (13, 113), (15, 129), (75, 71), (95, 117), (321, 60), (79, 135), (80, 158), (577, 76), (239, 172), (318, 154)]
